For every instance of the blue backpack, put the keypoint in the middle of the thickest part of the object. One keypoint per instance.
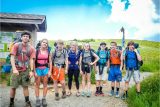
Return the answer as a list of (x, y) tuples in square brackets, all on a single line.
[(131, 60), (103, 55)]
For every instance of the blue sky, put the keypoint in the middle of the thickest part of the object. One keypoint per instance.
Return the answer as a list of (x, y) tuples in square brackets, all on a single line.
[(100, 19)]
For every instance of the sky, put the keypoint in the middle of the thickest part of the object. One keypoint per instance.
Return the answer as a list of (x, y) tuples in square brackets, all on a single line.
[(97, 19)]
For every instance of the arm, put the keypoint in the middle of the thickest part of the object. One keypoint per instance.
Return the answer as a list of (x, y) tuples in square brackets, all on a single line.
[(50, 64), (66, 62), (80, 63), (13, 65), (138, 55), (97, 58), (121, 66)]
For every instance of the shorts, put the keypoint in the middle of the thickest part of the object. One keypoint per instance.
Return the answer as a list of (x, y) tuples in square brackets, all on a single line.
[(103, 76), (86, 68), (135, 73), (42, 72), (58, 74), (21, 79), (115, 74)]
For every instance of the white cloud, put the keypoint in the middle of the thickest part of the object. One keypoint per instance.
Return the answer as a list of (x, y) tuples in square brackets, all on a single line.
[(139, 15)]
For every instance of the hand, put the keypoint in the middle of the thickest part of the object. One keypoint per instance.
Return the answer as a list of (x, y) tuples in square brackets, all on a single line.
[(30, 74), (49, 73), (121, 68), (91, 63), (77, 63), (66, 71), (69, 62), (81, 72), (15, 72)]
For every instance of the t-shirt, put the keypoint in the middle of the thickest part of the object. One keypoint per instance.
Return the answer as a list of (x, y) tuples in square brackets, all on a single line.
[(23, 57), (60, 56), (87, 56), (115, 56)]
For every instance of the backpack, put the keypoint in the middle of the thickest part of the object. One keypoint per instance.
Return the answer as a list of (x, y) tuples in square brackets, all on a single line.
[(87, 59), (55, 55), (114, 57), (73, 57), (103, 55), (36, 61), (19, 64), (131, 60)]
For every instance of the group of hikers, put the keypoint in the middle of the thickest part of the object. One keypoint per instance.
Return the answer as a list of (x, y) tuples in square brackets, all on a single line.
[(41, 63)]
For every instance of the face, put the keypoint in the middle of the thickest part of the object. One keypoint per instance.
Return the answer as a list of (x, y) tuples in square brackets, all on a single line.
[(86, 46), (113, 46), (131, 47), (25, 38), (44, 44), (103, 47), (60, 46), (73, 47)]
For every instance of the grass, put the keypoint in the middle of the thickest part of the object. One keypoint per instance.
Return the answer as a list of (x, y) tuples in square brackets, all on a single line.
[(149, 97)]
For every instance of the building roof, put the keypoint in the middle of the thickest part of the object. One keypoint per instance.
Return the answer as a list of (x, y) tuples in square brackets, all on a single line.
[(39, 21)]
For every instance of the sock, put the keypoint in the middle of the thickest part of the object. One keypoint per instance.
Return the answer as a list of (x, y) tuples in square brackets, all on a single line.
[(117, 89), (100, 88), (12, 100), (26, 98), (97, 89), (112, 88)]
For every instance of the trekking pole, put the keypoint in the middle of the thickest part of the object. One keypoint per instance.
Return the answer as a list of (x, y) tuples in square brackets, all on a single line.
[(123, 37)]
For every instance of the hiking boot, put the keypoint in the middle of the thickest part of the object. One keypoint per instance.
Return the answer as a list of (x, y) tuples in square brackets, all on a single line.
[(28, 104), (101, 93), (117, 94), (11, 104), (96, 93), (57, 96), (38, 103), (124, 96), (63, 94), (44, 102), (111, 93), (89, 94), (83, 93)]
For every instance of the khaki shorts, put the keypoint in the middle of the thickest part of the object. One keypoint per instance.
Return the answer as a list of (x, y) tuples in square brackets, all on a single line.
[(21, 79), (104, 75), (135, 73)]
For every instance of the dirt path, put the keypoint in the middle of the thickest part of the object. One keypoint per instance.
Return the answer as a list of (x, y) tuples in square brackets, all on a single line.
[(71, 101)]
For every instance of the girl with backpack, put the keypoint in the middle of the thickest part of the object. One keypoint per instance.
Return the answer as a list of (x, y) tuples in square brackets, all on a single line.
[(43, 68), (85, 68), (73, 67)]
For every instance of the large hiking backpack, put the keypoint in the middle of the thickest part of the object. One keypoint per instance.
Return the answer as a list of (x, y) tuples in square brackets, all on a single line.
[(20, 55), (131, 60), (73, 57), (103, 55), (55, 55), (87, 58)]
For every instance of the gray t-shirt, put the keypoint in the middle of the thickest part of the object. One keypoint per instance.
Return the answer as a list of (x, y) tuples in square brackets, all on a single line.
[(59, 57), (87, 56)]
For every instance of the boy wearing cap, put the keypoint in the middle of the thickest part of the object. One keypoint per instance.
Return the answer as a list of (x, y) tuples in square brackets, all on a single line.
[(101, 68)]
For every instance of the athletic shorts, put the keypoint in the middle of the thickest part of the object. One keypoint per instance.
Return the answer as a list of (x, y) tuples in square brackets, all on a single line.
[(115, 74), (135, 73), (86, 68), (103, 76), (58, 73), (42, 72), (21, 79)]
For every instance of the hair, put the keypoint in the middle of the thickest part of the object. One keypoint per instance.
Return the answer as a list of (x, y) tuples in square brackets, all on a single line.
[(114, 43), (88, 44), (130, 43), (26, 33), (75, 44), (60, 42), (103, 43), (44, 40)]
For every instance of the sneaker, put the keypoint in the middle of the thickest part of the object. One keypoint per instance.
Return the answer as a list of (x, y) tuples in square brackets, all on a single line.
[(89, 94), (96, 93), (11, 104), (117, 94), (38, 103), (63, 94), (83, 93), (111, 93), (101, 93), (28, 104), (44, 102), (57, 96), (124, 96)]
